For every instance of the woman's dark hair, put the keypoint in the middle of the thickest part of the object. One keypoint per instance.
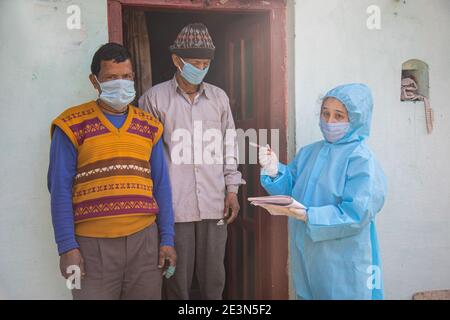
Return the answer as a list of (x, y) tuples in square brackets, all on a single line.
[(109, 51)]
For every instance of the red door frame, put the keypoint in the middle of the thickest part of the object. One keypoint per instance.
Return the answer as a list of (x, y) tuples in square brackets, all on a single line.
[(275, 284)]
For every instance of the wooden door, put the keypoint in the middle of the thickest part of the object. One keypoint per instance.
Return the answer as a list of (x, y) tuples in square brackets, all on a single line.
[(246, 87)]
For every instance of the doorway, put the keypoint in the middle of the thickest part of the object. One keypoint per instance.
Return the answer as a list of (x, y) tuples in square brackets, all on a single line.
[(256, 258)]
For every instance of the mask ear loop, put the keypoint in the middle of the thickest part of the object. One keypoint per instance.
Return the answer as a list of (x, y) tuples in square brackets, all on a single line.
[(99, 85), (98, 81), (184, 63)]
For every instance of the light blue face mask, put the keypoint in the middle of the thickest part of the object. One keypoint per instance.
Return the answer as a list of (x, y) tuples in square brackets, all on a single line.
[(192, 74), (333, 132), (117, 93)]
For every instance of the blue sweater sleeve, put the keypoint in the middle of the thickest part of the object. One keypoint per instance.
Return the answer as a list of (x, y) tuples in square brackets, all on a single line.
[(162, 192), (61, 171)]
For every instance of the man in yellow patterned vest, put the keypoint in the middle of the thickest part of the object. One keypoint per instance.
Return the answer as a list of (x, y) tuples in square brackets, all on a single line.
[(111, 198)]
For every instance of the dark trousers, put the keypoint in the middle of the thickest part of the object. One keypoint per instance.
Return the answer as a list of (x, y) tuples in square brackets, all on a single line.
[(200, 250)]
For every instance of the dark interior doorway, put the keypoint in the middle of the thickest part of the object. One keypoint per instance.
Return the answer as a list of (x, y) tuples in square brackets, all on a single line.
[(166, 26), (163, 27)]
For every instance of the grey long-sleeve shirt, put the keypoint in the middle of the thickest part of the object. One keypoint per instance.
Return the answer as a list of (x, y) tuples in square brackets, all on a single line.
[(200, 147)]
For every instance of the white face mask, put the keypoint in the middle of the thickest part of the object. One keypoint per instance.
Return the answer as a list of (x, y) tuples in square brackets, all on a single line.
[(333, 132), (117, 93)]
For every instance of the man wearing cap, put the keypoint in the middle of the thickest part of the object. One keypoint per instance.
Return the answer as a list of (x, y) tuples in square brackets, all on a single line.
[(203, 193)]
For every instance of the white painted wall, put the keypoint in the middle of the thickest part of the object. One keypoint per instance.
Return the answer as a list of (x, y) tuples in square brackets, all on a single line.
[(44, 70), (333, 46)]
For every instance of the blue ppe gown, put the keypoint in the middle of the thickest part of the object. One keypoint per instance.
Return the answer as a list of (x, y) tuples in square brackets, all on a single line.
[(335, 254)]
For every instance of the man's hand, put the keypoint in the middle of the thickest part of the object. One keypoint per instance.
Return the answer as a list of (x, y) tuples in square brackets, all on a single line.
[(231, 202), (70, 258), (167, 253)]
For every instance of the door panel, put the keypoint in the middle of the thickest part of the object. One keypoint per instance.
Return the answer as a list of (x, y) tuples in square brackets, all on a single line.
[(245, 78)]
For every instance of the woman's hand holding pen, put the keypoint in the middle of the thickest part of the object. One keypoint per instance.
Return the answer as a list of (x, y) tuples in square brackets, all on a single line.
[(268, 160)]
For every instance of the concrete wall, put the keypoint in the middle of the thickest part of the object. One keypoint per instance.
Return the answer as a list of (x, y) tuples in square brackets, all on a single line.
[(334, 46), (44, 70)]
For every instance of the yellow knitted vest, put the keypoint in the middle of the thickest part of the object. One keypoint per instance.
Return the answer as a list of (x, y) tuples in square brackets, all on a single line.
[(113, 170)]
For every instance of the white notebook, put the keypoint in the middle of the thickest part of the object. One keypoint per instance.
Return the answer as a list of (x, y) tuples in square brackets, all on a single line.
[(277, 205)]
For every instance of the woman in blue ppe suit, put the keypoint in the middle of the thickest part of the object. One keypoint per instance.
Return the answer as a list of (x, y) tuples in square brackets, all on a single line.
[(334, 247)]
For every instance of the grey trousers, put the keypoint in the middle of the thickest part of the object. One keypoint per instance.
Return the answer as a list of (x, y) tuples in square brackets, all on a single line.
[(200, 250), (121, 268)]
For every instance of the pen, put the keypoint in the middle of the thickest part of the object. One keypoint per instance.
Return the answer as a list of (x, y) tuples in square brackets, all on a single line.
[(258, 146)]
